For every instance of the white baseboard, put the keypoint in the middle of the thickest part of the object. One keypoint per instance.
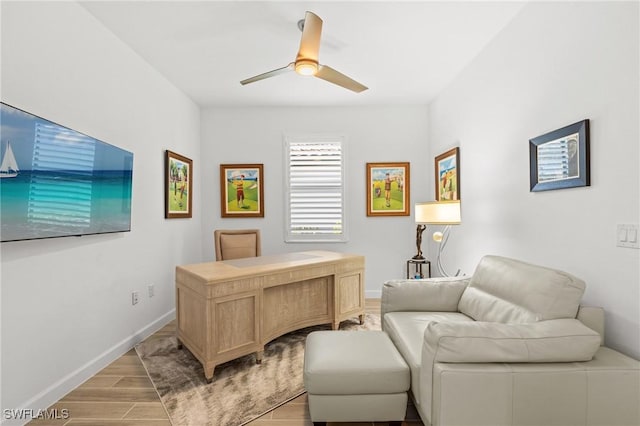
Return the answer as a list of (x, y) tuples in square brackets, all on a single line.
[(373, 294), (71, 381)]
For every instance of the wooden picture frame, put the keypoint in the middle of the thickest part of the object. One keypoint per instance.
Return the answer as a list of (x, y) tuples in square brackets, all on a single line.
[(241, 190), (560, 159), (447, 175), (388, 187), (178, 189)]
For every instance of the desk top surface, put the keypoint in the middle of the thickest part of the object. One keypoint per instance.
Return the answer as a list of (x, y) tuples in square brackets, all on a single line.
[(252, 266)]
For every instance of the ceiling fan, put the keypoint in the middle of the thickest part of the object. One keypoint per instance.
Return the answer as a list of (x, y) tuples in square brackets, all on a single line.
[(306, 62)]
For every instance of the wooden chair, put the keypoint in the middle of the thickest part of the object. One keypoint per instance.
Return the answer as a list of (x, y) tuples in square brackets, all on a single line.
[(236, 243)]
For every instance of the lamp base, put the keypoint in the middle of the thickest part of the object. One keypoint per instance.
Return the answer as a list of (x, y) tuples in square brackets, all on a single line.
[(418, 257)]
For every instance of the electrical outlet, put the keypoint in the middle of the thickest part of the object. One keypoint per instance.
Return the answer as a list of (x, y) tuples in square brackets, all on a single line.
[(134, 298), (151, 290)]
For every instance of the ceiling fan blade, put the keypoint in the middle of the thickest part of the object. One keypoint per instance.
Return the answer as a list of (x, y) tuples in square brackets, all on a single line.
[(310, 41), (335, 77), (268, 74)]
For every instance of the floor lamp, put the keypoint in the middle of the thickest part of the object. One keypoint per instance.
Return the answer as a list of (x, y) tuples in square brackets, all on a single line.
[(436, 213)]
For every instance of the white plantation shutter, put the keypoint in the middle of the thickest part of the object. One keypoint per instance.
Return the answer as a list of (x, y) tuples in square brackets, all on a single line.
[(315, 189)]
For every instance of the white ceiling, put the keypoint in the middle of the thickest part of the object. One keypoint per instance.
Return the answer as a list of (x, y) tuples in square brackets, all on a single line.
[(405, 52)]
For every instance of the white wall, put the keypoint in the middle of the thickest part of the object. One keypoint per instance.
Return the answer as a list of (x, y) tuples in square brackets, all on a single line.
[(375, 134), (66, 303), (553, 65)]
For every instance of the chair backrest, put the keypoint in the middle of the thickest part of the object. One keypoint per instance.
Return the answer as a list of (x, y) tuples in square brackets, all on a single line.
[(236, 243)]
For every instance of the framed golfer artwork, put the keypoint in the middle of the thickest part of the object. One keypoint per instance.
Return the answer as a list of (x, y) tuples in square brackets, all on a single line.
[(388, 189), (178, 183), (241, 190), (447, 170)]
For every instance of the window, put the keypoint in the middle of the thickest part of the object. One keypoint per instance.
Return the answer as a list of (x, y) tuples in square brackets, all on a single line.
[(314, 201)]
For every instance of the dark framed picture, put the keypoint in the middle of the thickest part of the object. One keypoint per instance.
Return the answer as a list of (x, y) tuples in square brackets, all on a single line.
[(560, 159), (178, 178), (241, 190), (447, 170), (388, 189)]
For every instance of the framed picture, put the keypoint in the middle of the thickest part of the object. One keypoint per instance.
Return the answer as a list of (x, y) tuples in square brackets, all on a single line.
[(178, 178), (241, 190), (560, 159), (447, 168), (388, 189)]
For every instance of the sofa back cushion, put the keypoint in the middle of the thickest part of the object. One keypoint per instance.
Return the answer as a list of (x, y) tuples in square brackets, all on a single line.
[(510, 291)]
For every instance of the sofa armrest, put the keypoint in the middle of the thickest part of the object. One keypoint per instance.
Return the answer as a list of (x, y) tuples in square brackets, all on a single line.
[(592, 317), (559, 340), (430, 294)]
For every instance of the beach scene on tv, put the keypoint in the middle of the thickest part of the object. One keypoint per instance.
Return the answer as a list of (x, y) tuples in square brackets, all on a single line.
[(387, 189), (243, 190), (57, 182)]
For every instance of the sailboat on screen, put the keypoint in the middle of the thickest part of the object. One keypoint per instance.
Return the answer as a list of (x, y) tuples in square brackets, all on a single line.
[(9, 167)]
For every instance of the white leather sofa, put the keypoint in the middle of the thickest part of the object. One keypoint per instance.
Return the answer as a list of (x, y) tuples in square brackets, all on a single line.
[(510, 345)]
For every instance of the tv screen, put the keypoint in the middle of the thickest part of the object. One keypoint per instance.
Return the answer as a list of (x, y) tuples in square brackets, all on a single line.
[(57, 182)]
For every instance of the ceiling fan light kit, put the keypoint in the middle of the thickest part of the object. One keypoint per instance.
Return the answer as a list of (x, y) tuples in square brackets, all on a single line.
[(306, 67), (306, 62)]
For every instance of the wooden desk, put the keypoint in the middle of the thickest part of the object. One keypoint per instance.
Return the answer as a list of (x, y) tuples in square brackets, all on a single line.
[(231, 308)]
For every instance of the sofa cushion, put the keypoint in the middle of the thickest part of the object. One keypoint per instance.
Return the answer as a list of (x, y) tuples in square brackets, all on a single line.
[(406, 330), (561, 340), (440, 294), (510, 291)]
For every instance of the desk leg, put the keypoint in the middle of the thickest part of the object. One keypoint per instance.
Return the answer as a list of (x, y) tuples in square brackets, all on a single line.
[(361, 316), (179, 346), (208, 372), (335, 325), (259, 356)]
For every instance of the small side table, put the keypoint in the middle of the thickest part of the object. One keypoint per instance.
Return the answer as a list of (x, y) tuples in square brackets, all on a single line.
[(418, 263)]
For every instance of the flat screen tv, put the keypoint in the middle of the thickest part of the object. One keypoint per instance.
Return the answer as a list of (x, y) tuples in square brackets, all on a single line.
[(57, 182)]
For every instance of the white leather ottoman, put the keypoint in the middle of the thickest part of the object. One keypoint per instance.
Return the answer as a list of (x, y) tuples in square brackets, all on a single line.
[(355, 376)]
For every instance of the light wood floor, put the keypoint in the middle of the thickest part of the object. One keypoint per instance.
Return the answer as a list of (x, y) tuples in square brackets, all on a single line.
[(122, 394)]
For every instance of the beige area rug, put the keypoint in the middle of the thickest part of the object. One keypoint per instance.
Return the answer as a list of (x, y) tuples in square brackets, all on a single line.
[(241, 390)]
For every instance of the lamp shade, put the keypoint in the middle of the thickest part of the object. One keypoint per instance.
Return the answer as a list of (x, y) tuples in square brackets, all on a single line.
[(438, 213)]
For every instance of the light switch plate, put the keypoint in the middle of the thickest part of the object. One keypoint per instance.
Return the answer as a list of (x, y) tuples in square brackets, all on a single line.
[(627, 236)]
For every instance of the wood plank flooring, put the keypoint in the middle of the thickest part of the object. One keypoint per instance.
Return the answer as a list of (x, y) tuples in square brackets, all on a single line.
[(121, 394)]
